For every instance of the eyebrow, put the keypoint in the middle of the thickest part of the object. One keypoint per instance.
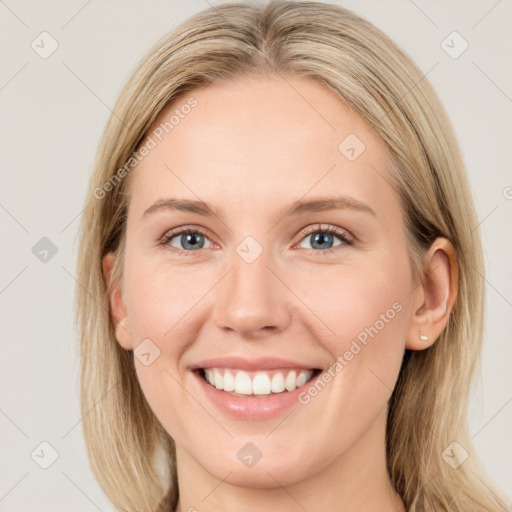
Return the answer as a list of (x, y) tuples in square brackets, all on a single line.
[(315, 204)]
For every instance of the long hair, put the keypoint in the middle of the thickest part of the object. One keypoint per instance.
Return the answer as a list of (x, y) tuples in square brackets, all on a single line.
[(131, 455)]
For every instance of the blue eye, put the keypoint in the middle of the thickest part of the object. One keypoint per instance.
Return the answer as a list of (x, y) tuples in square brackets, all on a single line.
[(322, 239), (190, 240)]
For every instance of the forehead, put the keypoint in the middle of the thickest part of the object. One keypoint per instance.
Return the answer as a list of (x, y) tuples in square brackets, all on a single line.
[(257, 140)]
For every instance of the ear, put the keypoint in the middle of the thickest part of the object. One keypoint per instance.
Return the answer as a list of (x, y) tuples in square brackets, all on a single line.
[(117, 308), (434, 297)]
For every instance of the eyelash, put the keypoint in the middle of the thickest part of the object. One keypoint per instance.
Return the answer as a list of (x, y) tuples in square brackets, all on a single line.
[(330, 230)]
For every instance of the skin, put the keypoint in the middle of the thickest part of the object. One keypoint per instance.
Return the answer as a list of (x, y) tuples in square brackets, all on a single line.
[(251, 148)]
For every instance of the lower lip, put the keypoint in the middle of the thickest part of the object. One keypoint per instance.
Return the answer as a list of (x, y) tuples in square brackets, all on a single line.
[(251, 407)]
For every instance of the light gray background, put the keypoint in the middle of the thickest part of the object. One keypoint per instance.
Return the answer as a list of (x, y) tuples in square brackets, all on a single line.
[(53, 112)]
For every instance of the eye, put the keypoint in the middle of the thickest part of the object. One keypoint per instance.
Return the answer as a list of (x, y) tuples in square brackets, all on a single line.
[(188, 240), (322, 239)]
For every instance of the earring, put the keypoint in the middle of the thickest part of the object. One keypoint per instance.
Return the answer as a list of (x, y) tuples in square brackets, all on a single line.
[(423, 337)]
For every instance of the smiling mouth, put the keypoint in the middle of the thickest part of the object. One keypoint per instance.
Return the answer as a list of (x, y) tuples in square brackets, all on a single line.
[(257, 383)]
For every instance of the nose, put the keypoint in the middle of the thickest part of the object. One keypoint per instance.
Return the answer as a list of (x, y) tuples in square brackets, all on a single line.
[(252, 300)]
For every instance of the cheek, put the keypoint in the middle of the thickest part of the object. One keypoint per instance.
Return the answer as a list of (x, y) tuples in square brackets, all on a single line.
[(163, 305), (361, 318), (161, 302), (366, 311), (160, 312), (357, 302)]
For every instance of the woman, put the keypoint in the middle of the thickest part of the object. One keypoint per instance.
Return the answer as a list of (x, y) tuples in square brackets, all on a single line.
[(226, 365)]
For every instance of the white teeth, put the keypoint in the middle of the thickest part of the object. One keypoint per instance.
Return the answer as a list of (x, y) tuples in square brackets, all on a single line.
[(209, 376), (277, 383), (290, 383), (261, 384), (243, 384), (240, 382), (301, 380), (229, 381), (219, 379)]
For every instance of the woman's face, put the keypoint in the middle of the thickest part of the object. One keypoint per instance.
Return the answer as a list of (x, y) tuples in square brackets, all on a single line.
[(259, 289)]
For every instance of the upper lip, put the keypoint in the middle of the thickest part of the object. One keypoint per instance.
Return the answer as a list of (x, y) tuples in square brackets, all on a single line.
[(242, 363)]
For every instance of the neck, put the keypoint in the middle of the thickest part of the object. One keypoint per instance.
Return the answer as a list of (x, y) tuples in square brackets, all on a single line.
[(355, 481)]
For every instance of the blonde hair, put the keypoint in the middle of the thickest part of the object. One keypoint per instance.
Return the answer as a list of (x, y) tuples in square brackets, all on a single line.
[(373, 76)]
